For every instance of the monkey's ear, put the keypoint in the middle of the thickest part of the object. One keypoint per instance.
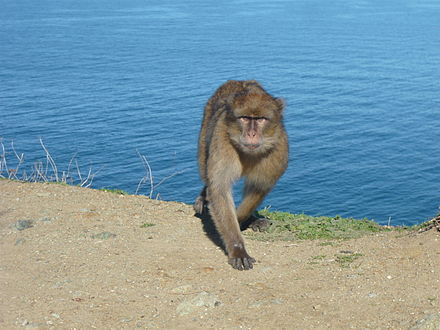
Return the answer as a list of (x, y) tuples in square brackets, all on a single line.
[(281, 103)]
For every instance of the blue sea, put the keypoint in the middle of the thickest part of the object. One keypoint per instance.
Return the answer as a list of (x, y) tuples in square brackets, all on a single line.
[(106, 80)]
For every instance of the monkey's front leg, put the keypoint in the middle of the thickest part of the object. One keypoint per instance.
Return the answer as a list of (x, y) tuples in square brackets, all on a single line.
[(239, 258), (222, 210)]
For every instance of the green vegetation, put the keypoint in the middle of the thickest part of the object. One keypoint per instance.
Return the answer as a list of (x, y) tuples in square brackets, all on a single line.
[(345, 260), (115, 191), (317, 259), (146, 225), (432, 300), (287, 226), (48, 171)]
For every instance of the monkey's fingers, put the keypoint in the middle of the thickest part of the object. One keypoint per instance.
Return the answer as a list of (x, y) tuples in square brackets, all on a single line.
[(242, 263)]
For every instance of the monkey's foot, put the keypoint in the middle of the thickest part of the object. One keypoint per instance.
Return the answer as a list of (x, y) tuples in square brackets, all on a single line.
[(199, 205), (260, 224), (240, 259)]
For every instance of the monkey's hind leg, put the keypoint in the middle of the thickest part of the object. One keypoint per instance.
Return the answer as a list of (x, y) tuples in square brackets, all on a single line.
[(201, 202), (253, 195)]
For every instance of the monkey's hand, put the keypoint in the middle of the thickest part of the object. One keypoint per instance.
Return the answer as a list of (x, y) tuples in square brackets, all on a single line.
[(260, 224), (240, 259)]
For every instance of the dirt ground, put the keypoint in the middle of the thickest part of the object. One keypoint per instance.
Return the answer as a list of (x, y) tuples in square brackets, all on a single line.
[(76, 258)]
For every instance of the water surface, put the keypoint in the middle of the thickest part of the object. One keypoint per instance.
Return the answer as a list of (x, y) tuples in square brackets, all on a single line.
[(361, 80)]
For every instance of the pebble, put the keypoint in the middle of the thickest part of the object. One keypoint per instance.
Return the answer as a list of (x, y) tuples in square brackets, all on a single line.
[(203, 299), (183, 289), (262, 303), (429, 322), (104, 235), (20, 241), (24, 224)]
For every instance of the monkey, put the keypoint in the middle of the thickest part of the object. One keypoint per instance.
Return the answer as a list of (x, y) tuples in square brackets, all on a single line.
[(242, 135)]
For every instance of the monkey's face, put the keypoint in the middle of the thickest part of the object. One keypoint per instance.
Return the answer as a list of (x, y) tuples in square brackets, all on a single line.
[(252, 128), (255, 119)]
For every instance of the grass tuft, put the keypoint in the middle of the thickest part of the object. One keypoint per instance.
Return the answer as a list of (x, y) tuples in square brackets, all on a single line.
[(346, 260), (287, 226), (147, 225), (115, 191)]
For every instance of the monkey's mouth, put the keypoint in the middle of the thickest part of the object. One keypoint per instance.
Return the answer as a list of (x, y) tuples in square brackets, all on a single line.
[(252, 146)]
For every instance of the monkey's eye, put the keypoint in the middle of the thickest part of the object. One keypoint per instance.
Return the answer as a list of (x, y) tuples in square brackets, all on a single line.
[(261, 120), (245, 119)]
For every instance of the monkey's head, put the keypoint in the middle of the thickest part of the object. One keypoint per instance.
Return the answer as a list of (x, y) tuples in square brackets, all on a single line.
[(254, 121)]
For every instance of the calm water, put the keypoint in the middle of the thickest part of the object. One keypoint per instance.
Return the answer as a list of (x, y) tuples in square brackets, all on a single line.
[(106, 78)]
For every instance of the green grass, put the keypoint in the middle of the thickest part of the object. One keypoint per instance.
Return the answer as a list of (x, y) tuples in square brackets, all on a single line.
[(147, 225), (115, 191), (345, 260), (287, 226), (58, 182), (317, 259)]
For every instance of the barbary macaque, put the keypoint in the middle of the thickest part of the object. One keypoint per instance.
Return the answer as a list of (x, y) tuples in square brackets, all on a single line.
[(242, 134)]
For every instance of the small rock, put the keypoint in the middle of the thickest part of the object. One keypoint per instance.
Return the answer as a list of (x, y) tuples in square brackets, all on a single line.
[(258, 285), (208, 269), (24, 224), (20, 241), (261, 303), (104, 235), (266, 269), (429, 322), (35, 325), (277, 301), (203, 299), (183, 289), (256, 304), (61, 284)]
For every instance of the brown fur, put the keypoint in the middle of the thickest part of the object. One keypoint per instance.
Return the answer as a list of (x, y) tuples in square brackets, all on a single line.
[(242, 134)]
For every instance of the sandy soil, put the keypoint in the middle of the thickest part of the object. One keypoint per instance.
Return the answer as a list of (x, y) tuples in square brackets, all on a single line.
[(92, 259)]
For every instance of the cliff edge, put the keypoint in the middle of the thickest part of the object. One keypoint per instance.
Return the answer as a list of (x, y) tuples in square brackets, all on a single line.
[(81, 258)]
